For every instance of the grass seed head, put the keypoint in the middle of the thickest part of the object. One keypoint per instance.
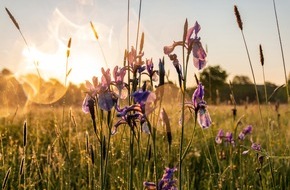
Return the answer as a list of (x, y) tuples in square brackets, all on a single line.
[(261, 55), (238, 16)]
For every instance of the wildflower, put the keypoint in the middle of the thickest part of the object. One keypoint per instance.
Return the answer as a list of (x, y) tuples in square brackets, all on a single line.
[(198, 95), (129, 115), (100, 92), (166, 183), (152, 73), (219, 137), (135, 60), (93, 89), (246, 130), (146, 99), (120, 90), (203, 117), (106, 99), (229, 138), (199, 106), (255, 146), (198, 52), (192, 44)]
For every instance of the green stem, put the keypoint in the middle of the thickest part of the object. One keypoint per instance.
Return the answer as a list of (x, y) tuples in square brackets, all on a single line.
[(282, 53)]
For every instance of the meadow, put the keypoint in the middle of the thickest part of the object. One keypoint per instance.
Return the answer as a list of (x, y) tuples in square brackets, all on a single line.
[(67, 154), (136, 130)]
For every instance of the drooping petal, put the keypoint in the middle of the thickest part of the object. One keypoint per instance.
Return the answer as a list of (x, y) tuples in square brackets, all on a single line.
[(203, 118), (140, 96), (85, 106), (199, 54), (196, 28), (197, 96)]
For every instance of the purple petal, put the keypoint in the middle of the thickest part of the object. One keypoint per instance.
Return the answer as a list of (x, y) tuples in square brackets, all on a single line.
[(196, 28), (106, 102), (203, 118), (85, 106)]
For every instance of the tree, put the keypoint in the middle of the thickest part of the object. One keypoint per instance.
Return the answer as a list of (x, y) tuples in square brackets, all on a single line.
[(214, 79), (241, 79)]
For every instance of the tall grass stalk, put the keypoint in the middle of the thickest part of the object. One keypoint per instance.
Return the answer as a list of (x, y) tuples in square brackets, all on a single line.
[(67, 72), (138, 24), (240, 24), (18, 28), (282, 52), (262, 63), (268, 124), (24, 153), (97, 38), (5, 181)]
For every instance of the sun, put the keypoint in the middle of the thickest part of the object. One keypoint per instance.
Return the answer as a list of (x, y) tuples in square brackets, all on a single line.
[(84, 63)]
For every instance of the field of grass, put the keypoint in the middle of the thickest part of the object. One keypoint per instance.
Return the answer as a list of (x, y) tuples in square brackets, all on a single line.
[(65, 153)]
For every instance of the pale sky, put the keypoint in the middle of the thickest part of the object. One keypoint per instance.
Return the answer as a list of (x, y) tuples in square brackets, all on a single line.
[(48, 25)]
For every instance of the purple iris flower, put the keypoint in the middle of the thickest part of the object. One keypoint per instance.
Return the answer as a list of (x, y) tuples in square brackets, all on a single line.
[(255, 147), (166, 183), (246, 130), (92, 91), (219, 137), (200, 105), (198, 95), (229, 138), (198, 52), (141, 96), (129, 115), (120, 86), (199, 55), (150, 69), (146, 99), (135, 60), (203, 117), (101, 92)]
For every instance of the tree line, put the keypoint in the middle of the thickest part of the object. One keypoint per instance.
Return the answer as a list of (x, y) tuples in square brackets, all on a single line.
[(217, 90)]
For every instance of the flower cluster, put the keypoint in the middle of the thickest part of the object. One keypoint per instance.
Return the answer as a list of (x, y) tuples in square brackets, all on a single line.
[(167, 182), (228, 136), (104, 94)]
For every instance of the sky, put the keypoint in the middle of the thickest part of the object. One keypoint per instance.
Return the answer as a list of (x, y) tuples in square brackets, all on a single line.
[(48, 25)]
